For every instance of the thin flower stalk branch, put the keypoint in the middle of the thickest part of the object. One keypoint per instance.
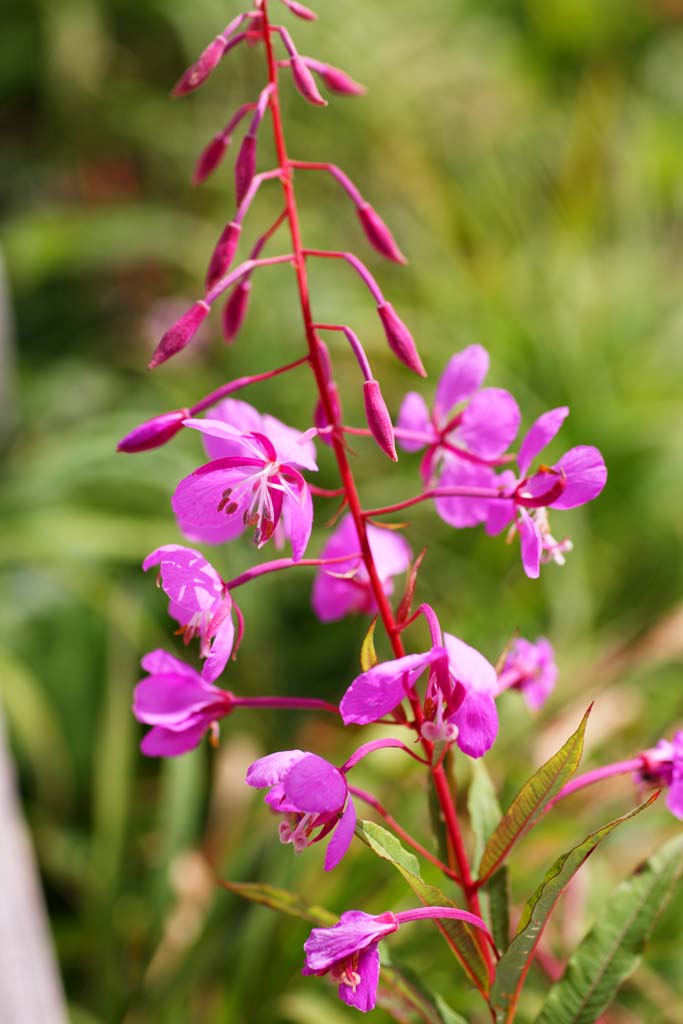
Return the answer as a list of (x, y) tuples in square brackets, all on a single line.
[(242, 382), (279, 564), (630, 767)]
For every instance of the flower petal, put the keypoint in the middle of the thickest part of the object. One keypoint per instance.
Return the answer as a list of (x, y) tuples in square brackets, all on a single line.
[(160, 661), (161, 742), (540, 434), (469, 667), (586, 475), (414, 415), (489, 423), (314, 785), (188, 579), (463, 375), (477, 722), (464, 511), (381, 689), (221, 649), (270, 770), (164, 699), (341, 837), (530, 543), (297, 514), (354, 932), (364, 996), (198, 496)]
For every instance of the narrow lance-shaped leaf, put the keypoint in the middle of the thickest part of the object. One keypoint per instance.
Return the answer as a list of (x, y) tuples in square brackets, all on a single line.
[(531, 799), (459, 935), (614, 947), (515, 963)]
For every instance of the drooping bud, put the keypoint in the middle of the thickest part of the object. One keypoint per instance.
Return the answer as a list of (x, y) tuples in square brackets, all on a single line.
[(400, 339), (301, 12), (320, 418), (338, 81), (181, 334), (210, 158), (378, 418), (223, 254), (378, 234), (305, 82), (245, 166), (235, 310), (198, 72), (153, 433)]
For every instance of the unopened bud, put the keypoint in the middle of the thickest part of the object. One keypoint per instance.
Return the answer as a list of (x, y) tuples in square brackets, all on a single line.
[(198, 72), (378, 418), (223, 254), (245, 167), (320, 417), (153, 433), (400, 339), (210, 158), (305, 82), (378, 234), (338, 81), (235, 310), (301, 12), (181, 334)]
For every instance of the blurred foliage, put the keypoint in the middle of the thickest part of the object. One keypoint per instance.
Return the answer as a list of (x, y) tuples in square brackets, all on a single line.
[(528, 155)]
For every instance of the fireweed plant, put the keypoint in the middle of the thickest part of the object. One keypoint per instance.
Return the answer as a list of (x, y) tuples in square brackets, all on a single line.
[(442, 701)]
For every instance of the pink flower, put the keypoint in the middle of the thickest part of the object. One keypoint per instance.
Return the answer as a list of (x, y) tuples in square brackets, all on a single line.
[(199, 601), (663, 765), (578, 477), (459, 704), (345, 587), (314, 797), (178, 704), (253, 480), (480, 431), (530, 668), (348, 952)]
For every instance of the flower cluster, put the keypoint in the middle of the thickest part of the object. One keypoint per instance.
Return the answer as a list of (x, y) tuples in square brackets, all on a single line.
[(257, 480)]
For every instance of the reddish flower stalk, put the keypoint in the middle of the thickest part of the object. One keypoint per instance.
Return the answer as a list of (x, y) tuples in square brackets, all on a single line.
[(457, 850)]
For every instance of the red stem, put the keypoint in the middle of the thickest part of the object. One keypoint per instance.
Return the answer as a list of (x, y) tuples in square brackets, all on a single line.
[(347, 479)]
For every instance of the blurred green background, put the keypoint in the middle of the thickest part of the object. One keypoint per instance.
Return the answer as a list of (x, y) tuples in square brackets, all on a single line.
[(528, 156)]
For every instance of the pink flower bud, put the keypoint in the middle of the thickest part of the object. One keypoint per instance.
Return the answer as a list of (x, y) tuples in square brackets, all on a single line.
[(379, 419), (198, 72), (301, 12), (338, 81), (235, 310), (305, 83), (210, 158), (223, 254), (320, 416), (245, 167), (378, 234), (400, 339), (153, 433), (325, 360), (181, 334)]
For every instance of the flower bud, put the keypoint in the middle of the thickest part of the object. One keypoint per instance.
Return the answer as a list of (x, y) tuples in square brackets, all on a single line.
[(153, 433), (181, 334), (301, 12), (223, 254), (338, 81), (378, 418), (320, 416), (400, 339), (245, 167), (235, 310), (305, 83), (210, 158), (378, 234), (198, 72)]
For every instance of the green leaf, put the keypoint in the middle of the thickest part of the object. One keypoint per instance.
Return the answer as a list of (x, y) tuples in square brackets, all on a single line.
[(282, 900), (368, 654), (447, 1014), (531, 799), (514, 964), (482, 807), (461, 937), (614, 947), (401, 990), (497, 890)]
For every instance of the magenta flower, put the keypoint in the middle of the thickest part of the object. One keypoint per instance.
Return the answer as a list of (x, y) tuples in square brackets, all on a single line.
[(199, 602), (178, 704), (253, 480), (578, 477), (314, 797), (459, 705), (345, 587), (530, 668), (348, 951), (468, 437), (663, 765)]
